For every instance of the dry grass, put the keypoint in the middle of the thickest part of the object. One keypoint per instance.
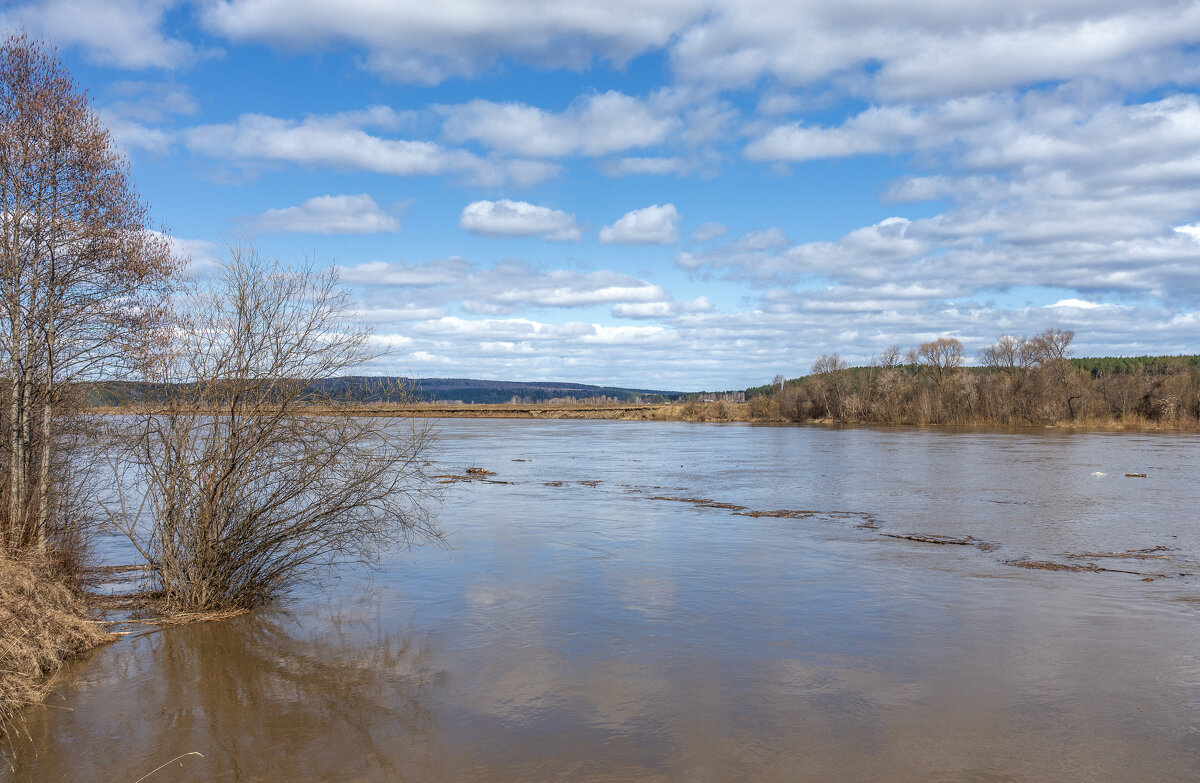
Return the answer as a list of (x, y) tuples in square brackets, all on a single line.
[(42, 623)]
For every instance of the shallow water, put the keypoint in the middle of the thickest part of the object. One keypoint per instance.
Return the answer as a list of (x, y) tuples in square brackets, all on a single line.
[(582, 632)]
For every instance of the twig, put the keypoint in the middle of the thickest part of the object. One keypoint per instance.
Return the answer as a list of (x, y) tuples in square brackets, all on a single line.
[(169, 763)]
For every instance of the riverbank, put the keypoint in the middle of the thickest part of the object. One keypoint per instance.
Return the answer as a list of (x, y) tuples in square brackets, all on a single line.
[(45, 623), (758, 410)]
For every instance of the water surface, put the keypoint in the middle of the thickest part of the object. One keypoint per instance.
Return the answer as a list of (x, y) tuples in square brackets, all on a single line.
[(588, 631)]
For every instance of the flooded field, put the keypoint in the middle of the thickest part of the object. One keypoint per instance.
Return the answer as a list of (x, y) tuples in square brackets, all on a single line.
[(672, 601)]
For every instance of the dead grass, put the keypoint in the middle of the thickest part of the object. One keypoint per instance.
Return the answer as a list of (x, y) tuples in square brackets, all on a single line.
[(42, 624)]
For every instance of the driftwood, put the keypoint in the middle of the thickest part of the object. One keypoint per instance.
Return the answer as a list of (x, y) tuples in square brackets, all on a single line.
[(933, 538)]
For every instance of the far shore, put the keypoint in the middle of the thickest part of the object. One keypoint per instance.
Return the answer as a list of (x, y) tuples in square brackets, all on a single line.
[(716, 412)]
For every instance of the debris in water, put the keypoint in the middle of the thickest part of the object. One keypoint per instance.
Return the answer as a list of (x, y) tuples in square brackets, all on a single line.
[(1152, 553), (1047, 565), (1135, 475), (701, 502), (933, 538), (782, 513)]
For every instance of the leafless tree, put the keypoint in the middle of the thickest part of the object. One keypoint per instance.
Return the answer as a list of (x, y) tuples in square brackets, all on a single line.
[(81, 275), (1051, 349), (938, 357), (242, 475), (829, 383)]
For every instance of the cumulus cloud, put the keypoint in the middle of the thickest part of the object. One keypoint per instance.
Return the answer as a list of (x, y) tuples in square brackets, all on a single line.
[(330, 215), (662, 309), (426, 43), (914, 50), (444, 272), (518, 219), (901, 49), (502, 289), (120, 33), (625, 167), (592, 125), (652, 225), (341, 142), (511, 285)]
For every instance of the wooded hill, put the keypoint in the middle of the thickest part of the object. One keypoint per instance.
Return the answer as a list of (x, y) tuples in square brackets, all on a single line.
[(401, 390)]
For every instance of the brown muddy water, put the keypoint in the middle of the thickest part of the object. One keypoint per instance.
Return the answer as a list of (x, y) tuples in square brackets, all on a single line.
[(596, 622)]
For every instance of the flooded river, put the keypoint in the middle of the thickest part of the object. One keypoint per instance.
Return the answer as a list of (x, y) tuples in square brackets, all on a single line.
[(595, 621)]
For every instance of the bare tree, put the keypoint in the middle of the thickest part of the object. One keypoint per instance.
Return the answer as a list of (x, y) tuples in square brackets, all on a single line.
[(81, 275), (939, 357), (828, 383), (1051, 350), (243, 471), (888, 358)]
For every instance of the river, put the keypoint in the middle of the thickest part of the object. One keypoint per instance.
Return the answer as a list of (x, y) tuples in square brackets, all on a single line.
[(593, 621)]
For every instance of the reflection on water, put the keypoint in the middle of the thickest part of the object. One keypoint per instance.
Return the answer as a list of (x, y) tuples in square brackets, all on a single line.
[(261, 697), (584, 631)]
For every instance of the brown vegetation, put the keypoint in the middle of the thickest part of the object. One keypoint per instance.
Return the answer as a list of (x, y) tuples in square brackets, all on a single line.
[(82, 276), (1021, 381), (44, 624), (230, 487)]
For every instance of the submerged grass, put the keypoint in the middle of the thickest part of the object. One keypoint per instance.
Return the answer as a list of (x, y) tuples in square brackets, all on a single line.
[(42, 624)]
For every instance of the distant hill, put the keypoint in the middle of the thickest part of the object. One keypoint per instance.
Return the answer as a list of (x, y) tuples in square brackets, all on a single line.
[(466, 390)]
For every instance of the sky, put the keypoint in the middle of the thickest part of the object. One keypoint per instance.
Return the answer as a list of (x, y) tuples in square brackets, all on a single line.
[(673, 194)]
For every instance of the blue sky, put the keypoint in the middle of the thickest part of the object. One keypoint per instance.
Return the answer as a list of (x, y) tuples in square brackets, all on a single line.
[(673, 193)]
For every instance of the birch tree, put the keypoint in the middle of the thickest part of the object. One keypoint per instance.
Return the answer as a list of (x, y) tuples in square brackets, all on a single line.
[(81, 275)]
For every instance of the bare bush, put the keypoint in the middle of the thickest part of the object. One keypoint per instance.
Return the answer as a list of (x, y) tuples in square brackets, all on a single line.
[(248, 476)]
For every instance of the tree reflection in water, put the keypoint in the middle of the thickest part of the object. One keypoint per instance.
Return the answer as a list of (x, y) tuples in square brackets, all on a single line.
[(266, 696)]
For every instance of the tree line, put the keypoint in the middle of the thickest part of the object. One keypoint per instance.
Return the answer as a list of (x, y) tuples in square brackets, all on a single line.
[(1018, 381)]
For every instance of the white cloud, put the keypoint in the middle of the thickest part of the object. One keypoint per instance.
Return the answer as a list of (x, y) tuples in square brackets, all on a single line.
[(652, 225), (518, 219), (330, 215), (426, 42), (708, 231), (660, 166), (132, 135), (918, 50), (434, 273), (511, 285), (592, 125), (338, 141), (502, 289), (120, 33), (202, 255), (662, 309)]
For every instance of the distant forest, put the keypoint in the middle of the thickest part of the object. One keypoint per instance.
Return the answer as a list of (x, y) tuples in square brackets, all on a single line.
[(408, 390), (1018, 381)]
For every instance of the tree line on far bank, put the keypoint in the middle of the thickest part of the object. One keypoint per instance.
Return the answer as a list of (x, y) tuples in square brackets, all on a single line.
[(1020, 380)]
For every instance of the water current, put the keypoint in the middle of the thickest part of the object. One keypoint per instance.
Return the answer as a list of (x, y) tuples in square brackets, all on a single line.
[(661, 601)]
